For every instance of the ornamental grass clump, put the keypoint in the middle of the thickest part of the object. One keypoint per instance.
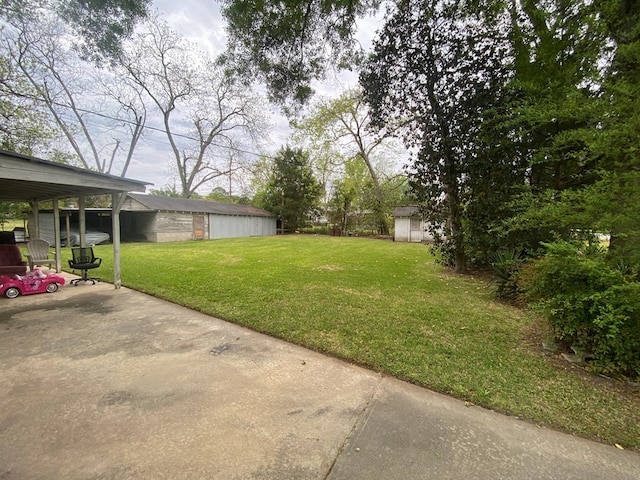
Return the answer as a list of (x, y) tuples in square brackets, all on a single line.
[(506, 267)]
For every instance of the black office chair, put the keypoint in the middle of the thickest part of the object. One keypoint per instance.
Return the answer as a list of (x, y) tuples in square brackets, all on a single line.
[(84, 260)]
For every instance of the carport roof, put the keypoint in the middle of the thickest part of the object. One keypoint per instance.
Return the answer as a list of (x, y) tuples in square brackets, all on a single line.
[(24, 178)]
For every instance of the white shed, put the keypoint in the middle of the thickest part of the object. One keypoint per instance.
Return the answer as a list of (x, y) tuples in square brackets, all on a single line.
[(409, 225)]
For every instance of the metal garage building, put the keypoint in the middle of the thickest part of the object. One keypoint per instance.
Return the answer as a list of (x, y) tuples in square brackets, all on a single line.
[(166, 219)]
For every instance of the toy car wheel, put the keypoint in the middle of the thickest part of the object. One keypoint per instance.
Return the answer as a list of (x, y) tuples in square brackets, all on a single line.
[(12, 292), (52, 287)]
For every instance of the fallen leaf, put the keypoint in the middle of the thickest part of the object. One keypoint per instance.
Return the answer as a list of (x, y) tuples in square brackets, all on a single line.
[(619, 446)]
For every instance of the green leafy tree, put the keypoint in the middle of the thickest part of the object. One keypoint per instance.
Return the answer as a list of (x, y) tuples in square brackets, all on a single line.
[(347, 195), (572, 124), (566, 164), (219, 194), (327, 159), (340, 205), (344, 123), (290, 44), (292, 192), (355, 198), (11, 211), (619, 142), (546, 121), (102, 25), (435, 69)]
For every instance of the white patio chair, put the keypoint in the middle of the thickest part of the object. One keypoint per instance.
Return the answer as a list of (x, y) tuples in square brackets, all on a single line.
[(39, 251)]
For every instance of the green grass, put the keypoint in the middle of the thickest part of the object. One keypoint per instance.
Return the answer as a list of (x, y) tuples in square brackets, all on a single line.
[(11, 224), (389, 307)]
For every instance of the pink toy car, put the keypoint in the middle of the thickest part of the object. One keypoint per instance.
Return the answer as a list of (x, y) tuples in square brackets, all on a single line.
[(32, 282)]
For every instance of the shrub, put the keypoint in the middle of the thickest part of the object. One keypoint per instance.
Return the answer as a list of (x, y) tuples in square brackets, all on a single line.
[(506, 267), (444, 251), (616, 323), (588, 303)]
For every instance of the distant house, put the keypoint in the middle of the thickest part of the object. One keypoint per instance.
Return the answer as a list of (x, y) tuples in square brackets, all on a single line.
[(409, 225), (150, 218)]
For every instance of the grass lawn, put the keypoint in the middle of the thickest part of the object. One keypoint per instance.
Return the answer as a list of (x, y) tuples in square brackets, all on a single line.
[(389, 307)]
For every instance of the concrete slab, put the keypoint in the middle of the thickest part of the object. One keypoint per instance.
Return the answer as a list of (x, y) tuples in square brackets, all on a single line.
[(98, 383), (103, 383), (412, 433)]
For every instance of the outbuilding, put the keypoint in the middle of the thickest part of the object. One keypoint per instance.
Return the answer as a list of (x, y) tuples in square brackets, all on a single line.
[(151, 218), (409, 226), (154, 218)]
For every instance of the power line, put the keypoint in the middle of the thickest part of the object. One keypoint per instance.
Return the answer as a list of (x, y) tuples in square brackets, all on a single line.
[(129, 122)]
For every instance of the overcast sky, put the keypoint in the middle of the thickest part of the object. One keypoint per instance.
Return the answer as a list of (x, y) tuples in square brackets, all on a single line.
[(200, 22)]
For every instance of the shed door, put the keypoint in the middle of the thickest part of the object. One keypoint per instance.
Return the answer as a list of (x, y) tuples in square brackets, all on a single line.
[(198, 227), (416, 231)]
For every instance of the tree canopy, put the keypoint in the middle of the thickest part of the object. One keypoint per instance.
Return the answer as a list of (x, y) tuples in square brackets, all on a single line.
[(339, 130), (434, 71), (291, 191), (290, 44), (101, 25)]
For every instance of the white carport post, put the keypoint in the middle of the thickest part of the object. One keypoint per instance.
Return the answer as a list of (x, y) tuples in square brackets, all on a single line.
[(82, 221), (34, 230), (56, 233), (117, 201)]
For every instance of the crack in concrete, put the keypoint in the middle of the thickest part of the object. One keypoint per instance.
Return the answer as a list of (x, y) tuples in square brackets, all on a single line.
[(363, 419)]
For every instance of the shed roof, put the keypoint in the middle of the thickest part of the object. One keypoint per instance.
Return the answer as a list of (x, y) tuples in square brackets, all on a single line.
[(24, 178), (406, 211), (173, 204)]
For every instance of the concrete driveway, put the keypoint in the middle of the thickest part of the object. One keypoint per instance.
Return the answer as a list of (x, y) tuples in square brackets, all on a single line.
[(98, 383)]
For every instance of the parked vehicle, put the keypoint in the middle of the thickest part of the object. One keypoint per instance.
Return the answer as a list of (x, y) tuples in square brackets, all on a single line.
[(92, 237), (32, 282), (46, 231)]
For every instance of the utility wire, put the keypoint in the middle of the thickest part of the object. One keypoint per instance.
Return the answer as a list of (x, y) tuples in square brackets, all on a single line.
[(155, 129)]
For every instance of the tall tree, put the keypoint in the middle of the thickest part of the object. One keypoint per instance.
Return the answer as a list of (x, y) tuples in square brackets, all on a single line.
[(619, 142), (344, 124), (38, 46), (291, 192), (535, 138), (562, 130), (103, 25), (290, 44), (436, 68), (99, 25), (557, 50), (202, 108)]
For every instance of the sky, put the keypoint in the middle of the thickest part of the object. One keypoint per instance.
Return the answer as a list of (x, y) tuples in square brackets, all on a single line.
[(200, 22)]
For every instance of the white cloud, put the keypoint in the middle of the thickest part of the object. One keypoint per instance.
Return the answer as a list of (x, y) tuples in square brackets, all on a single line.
[(199, 21)]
